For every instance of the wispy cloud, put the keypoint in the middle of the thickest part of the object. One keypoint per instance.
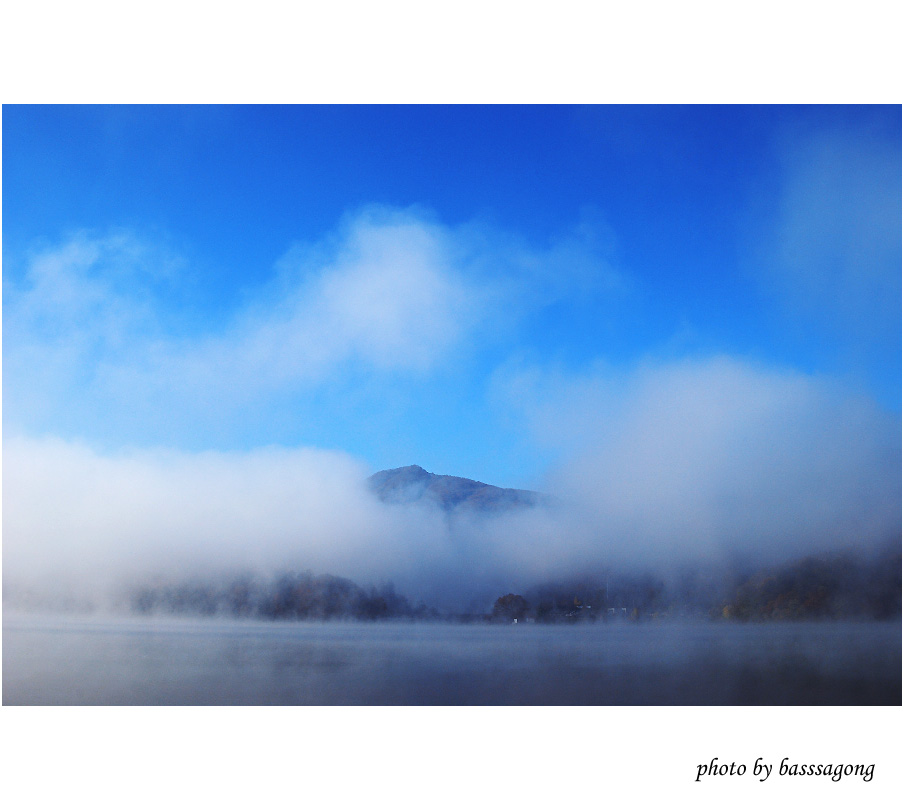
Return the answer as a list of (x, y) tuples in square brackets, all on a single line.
[(389, 293), (657, 462), (833, 251)]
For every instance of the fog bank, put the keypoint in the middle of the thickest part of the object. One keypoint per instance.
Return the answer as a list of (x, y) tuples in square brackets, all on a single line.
[(694, 462)]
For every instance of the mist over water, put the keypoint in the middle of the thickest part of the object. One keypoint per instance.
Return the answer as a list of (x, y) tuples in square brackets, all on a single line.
[(184, 437), (68, 661)]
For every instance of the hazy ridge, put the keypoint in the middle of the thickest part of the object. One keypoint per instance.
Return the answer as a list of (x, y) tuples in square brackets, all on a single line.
[(413, 483)]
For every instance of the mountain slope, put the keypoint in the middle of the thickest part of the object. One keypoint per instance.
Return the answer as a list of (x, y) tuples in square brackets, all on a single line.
[(413, 483)]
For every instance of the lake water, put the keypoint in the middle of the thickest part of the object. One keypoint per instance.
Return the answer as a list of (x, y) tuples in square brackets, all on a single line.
[(180, 661)]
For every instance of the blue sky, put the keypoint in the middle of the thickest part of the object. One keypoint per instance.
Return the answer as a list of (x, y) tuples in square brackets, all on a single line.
[(421, 284)]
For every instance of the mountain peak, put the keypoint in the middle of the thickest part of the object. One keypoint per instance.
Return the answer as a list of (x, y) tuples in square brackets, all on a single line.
[(414, 483)]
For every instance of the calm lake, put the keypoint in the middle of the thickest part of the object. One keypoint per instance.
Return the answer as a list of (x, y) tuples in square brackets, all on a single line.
[(180, 661)]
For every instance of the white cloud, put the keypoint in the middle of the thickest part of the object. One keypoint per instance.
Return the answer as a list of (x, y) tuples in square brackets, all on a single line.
[(668, 464), (716, 456), (663, 461), (78, 523), (75, 518), (91, 344)]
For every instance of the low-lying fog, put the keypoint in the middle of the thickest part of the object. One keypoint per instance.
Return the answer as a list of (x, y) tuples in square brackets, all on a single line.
[(180, 661), (697, 462)]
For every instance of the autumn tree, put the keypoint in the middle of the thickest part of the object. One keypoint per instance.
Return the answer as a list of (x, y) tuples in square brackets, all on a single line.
[(509, 607)]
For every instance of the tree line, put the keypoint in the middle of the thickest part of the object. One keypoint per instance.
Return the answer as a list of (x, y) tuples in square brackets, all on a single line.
[(816, 587), (285, 596)]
